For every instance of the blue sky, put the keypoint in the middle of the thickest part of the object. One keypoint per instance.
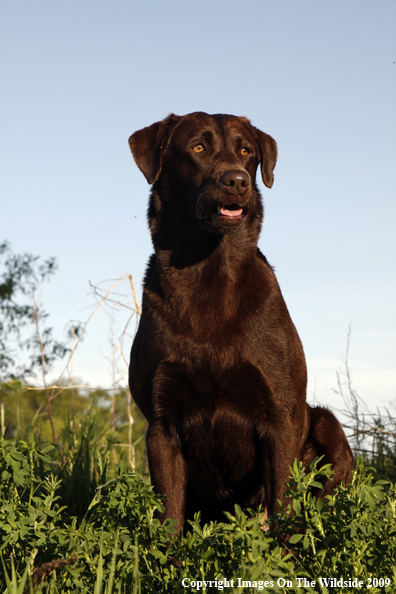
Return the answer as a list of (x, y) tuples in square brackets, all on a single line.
[(78, 78)]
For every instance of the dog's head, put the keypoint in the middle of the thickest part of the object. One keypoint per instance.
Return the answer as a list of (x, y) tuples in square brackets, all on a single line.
[(205, 165)]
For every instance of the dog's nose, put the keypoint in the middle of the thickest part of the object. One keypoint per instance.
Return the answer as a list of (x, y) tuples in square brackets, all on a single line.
[(236, 182)]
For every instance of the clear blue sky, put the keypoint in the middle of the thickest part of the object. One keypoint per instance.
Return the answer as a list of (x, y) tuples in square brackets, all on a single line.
[(77, 78)]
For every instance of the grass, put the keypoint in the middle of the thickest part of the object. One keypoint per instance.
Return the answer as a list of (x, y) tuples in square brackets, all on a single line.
[(88, 525)]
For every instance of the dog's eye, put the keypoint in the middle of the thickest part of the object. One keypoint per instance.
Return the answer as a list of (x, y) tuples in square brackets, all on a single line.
[(245, 151), (198, 148)]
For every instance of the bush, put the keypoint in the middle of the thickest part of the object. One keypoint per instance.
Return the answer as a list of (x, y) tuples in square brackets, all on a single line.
[(121, 547)]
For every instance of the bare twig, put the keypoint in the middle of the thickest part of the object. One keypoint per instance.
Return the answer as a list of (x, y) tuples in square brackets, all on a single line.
[(134, 295), (47, 393), (2, 420), (89, 319), (131, 450), (110, 302), (41, 572)]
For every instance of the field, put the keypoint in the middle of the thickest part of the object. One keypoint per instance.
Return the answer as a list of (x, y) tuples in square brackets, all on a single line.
[(76, 517)]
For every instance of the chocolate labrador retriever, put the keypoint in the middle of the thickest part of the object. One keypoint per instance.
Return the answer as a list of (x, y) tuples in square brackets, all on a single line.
[(217, 367)]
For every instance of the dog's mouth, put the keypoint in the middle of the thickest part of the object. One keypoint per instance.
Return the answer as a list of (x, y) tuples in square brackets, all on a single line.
[(230, 212)]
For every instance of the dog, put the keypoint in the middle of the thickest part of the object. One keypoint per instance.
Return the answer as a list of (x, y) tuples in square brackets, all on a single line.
[(217, 367)]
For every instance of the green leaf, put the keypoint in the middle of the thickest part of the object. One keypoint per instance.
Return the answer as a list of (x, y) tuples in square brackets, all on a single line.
[(297, 506), (295, 538), (316, 484)]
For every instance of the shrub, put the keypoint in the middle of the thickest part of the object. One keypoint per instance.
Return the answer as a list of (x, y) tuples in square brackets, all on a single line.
[(121, 547)]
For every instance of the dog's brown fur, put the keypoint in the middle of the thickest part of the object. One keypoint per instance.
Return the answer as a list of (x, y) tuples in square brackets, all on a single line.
[(217, 367)]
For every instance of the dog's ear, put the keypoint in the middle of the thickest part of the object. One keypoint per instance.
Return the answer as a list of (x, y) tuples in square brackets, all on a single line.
[(147, 146), (269, 153)]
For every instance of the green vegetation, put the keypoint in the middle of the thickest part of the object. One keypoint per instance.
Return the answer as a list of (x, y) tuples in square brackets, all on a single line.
[(22, 329), (99, 516)]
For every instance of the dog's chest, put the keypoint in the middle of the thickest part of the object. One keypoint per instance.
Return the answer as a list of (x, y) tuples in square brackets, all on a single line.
[(218, 418)]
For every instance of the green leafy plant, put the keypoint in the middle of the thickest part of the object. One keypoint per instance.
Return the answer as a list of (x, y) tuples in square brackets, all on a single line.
[(20, 277), (119, 546)]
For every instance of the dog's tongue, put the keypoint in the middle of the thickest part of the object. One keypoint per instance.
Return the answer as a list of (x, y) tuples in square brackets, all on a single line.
[(230, 213)]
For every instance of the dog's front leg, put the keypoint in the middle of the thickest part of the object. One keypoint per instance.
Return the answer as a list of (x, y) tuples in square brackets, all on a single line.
[(280, 451), (168, 471)]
